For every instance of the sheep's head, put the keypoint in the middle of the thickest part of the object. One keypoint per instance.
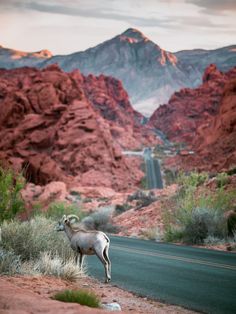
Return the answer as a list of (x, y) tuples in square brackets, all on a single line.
[(66, 220), (61, 223)]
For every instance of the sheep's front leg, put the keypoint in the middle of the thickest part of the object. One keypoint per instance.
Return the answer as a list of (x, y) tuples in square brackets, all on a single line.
[(76, 258), (81, 260)]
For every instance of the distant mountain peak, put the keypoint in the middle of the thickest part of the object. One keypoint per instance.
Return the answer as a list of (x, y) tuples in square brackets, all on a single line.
[(43, 54), (133, 35)]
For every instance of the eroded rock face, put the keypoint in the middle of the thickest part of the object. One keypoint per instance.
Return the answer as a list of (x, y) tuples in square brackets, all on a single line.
[(52, 125), (205, 119), (215, 141), (189, 108)]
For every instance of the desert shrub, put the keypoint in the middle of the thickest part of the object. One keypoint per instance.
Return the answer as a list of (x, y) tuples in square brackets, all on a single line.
[(57, 209), (11, 184), (152, 233), (201, 224), (82, 297), (28, 239), (199, 212), (232, 171), (170, 176), (121, 208), (101, 220), (193, 179), (173, 234), (10, 263), (53, 265), (144, 183), (211, 240), (75, 193), (222, 179), (143, 199), (34, 247), (87, 200)]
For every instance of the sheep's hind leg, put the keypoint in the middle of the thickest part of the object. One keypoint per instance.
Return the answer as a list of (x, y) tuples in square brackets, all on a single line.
[(99, 254), (106, 256)]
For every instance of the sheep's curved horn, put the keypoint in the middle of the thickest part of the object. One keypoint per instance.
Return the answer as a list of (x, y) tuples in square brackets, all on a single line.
[(73, 216)]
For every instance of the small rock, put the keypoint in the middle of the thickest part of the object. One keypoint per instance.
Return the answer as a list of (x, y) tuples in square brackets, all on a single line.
[(112, 306)]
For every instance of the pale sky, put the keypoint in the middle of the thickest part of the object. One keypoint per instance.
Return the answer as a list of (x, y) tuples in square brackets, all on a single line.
[(66, 26)]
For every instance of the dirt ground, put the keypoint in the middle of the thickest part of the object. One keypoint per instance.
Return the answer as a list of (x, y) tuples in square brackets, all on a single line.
[(27, 294)]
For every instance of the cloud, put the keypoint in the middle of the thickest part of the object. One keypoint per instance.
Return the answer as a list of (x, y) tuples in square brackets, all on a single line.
[(108, 10), (81, 8), (215, 6)]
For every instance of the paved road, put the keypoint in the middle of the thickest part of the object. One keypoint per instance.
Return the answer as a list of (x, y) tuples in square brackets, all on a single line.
[(199, 279), (153, 171)]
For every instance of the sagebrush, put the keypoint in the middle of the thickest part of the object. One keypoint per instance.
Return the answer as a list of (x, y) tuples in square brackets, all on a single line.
[(38, 248), (200, 212)]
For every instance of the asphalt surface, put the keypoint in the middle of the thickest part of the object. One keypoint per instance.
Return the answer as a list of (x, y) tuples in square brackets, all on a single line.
[(153, 171), (199, 279)]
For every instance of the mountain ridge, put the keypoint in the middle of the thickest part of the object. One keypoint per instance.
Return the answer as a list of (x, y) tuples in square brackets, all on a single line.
[(149, 73)]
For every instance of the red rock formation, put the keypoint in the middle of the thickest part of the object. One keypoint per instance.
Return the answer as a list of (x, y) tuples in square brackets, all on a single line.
[(190, 108), (52, 126), (215, 141), (211, 132)]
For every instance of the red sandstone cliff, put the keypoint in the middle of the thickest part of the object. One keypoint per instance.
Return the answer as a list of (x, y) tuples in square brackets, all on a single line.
[(205, 119), (215, 141), (190, 108), (55, 126)]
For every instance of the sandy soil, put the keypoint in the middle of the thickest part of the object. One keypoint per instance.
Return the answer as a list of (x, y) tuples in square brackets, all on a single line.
[(25, 294)]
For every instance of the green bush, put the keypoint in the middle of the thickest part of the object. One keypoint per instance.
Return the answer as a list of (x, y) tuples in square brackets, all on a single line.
[(10, 263), (173, 234), (193, 179), (34, 247), (28, 239), (202, 224), (199, 212), (222, 179), (11, 202), (121, 208), (57, 209), (144, 183), (82, 297)]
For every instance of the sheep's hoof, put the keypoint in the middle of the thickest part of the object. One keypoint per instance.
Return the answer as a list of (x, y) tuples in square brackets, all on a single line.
[(107, 280)]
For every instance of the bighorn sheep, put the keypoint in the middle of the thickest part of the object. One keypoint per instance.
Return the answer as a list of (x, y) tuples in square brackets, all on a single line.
[(85, 242)]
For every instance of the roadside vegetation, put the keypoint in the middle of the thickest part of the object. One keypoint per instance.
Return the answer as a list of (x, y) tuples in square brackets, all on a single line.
[(11, 184), (200, 214), (101, 220), (32, 246), (82, 297)]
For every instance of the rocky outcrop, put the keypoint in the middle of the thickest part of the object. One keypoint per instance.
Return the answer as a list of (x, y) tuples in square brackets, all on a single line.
[(52, 125), (149, 73), (215, 141), (189, 108), (205, 119)]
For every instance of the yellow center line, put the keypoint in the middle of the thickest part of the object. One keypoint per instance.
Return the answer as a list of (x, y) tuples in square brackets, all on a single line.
[(173, 257)]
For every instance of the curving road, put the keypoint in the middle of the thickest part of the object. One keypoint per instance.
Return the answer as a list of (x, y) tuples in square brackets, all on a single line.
[(199, 279)]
